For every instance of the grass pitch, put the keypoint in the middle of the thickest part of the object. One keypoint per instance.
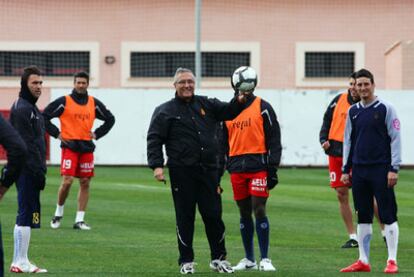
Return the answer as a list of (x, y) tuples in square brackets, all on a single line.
[(133, 228)]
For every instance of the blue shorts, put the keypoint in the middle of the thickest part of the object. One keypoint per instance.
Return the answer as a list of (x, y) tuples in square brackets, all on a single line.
[(369, 181), (28, 198)]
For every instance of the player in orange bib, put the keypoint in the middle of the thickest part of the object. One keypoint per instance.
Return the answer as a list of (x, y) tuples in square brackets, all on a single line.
[(77, 113), (254, 152)]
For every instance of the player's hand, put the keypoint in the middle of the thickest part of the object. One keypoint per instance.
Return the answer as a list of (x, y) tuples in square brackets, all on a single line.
[(272, 178), (93, 136), (219, 189), (326, 145), (392, 179), (345, 178), (159, 174)]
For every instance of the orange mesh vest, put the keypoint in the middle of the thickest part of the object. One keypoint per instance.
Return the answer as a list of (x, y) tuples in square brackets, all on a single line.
[(336, 132), (76, 122), (246, 134)]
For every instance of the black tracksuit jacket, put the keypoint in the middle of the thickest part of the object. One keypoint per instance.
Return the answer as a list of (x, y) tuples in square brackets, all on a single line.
[(28, 122), (16, 152), (189, 131)]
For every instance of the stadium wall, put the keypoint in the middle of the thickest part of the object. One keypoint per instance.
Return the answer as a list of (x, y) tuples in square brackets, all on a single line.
[(277, 26), (300, 114)]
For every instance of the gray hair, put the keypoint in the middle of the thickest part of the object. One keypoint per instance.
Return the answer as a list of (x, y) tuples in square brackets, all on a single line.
[(181, 70)]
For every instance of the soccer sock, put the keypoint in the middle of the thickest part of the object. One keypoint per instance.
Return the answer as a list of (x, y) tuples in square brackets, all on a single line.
[(79, 216), (21, 244), (353, 236), (246, 230), (391, 233), (262, 230), (59, 210), (16, 245), (364, 233)]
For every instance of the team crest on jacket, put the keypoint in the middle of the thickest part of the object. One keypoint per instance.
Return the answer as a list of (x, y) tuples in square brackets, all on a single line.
[(396, 124)]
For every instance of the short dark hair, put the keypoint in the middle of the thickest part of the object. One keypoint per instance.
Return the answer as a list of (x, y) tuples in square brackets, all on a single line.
[(27, 71), (352, 76), (364, 73), (81, 74)]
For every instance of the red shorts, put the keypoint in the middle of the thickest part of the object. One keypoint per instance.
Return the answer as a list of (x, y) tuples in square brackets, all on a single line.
[(246, 184), (335, 172), (76, 164)]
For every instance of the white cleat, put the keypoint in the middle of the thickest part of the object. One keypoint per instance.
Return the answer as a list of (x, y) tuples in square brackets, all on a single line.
[(187, 268), (266, 265), (55, 223), (245, 264), (26, 268), (221, 266), (81, 225)]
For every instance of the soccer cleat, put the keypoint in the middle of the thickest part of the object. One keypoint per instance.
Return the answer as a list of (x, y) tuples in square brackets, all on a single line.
[(221, 266), (266, 265), (350, 244), (26, 268), (81, 225), (187, 268), (245, 264), (55, 223), (391, 267), (358, 266)]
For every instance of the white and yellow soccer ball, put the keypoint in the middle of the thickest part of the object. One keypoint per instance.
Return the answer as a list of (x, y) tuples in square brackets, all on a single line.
[(244, 79)]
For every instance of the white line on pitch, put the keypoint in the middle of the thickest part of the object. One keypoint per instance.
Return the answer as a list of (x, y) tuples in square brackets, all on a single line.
[(139, 186)]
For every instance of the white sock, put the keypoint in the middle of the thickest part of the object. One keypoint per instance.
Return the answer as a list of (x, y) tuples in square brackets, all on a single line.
[(364, 233), (391, 233), (353, 236), (59, 210), (21, 244), (16, 247), (79, 216)]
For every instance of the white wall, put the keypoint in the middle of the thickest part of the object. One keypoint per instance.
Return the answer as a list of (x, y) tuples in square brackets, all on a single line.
[(300, 114)]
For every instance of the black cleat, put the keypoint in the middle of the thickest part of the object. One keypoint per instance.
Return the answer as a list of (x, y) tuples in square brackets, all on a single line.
[(350, 244)]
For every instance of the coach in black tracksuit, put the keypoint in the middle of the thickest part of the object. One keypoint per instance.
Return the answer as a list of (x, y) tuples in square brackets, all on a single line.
[(187, 125), (16, 151)]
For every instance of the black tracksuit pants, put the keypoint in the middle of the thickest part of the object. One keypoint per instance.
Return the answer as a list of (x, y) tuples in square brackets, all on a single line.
[(193, 186)]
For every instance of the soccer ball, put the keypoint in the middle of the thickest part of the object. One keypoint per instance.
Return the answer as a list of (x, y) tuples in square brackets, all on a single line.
[(244, 79)]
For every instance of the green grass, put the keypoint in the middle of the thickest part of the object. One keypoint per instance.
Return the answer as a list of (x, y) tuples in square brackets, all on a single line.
[(133, 223)]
